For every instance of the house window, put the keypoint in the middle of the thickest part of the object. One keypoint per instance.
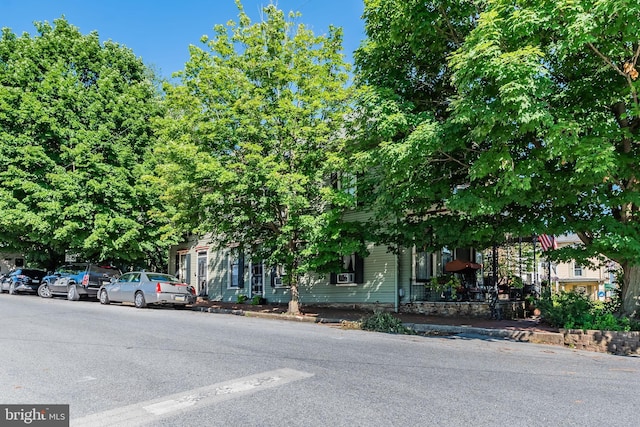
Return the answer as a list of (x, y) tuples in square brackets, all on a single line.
[(346, 183), (183, 268), (447, 256), (577, 270), (236, 271), (464, 254), (277, 277), (351, 273), (257, 279), (423, 266)]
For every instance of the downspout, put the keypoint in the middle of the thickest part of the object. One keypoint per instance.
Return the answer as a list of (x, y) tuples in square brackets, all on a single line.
[(397, 285)]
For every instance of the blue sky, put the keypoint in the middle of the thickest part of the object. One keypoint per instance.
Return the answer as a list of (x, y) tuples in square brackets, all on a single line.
[(160, 32)]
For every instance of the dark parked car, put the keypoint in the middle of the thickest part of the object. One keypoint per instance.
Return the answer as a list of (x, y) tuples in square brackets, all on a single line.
[(22, 280), (85, 282)]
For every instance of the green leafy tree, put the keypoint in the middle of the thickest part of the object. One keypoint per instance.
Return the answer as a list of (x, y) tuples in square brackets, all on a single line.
[(558, 81), (406, 143), (251, 139), (74, 131), (542, 123)]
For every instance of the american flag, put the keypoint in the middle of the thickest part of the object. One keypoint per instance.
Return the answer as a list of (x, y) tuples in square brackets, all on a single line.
[(547, 242)]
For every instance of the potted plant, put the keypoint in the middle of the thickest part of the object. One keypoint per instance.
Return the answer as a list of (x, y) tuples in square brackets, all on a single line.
[(530, 305), (444, 287)]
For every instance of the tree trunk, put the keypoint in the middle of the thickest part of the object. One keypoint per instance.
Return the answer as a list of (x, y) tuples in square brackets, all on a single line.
[(631, 291), (294, 306)]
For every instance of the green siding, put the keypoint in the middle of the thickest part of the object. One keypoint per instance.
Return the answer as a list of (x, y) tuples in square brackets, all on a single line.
[(380, 270)]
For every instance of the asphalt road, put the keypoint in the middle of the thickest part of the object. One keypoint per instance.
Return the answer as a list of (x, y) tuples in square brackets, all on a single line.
[(117, 365)]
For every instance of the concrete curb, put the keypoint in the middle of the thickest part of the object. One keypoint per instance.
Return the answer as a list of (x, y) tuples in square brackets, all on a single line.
[(535, 337), (554, 338)]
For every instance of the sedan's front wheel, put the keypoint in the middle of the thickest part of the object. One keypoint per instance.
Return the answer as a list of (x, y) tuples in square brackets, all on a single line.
[(104, 298), (139, 300), (44, 291)]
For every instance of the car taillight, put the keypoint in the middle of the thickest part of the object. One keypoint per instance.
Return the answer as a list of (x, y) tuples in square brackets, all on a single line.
[(192, 290), (158, 288), (85, 280)]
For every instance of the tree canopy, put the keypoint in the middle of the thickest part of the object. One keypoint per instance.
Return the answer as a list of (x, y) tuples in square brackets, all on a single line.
[(74, 132), (540, 125), (252, 137)]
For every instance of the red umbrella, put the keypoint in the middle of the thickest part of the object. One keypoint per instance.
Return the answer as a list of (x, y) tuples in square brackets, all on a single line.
[(459, 266)]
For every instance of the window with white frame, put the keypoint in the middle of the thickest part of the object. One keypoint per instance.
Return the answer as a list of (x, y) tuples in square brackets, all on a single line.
[(351, 272), (183, 268), (447, 256), (423, 265), (236, 271), (277, 277), (577, 270)]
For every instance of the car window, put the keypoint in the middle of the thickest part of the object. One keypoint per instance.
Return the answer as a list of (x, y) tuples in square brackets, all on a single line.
[(135, 277), (104, 271), (125, 277), (159, 277), (33, 273), (71, 269)]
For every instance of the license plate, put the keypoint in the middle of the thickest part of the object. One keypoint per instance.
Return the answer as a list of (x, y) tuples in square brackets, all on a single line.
[(36, 281), (179, 298)]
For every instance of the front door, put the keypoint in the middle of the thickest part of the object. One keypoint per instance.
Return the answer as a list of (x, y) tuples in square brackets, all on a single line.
[(202, 274)]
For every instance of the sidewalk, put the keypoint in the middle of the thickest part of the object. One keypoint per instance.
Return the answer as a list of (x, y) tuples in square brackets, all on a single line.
[(528, 330)]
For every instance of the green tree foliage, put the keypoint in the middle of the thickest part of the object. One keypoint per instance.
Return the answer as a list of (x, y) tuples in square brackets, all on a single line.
[(413, 156), (74, 130), (559, 83), (540, 125), (251, 139)]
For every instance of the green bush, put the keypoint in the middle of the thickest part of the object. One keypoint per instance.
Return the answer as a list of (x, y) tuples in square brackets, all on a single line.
[(384, 322), (242, 298), (257, 300), (572, 310)]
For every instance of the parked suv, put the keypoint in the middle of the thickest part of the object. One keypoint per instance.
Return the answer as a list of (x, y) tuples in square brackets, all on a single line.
[(22, 280), (85, 282), (46, 289)]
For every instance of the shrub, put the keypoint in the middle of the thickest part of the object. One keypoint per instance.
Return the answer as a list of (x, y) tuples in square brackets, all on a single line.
[(384, 322), (572, 310), (257, 300)]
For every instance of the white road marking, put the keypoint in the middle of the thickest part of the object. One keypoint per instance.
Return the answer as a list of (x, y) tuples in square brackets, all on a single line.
[(86, 379), (147, 412)]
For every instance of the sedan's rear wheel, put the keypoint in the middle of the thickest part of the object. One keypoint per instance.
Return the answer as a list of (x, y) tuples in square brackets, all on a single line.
[(44, 291), (139, 300), (72, 293), (104, 298)]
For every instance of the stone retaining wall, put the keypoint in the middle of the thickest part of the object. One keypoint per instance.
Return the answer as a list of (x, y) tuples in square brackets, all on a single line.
[(510, 309), (622, 343)]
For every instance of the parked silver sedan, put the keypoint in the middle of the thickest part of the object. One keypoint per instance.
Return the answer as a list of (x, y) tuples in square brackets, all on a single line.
[(145, 288)]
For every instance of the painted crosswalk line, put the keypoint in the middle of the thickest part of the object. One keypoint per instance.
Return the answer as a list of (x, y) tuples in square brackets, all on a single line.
[(163, 407)]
